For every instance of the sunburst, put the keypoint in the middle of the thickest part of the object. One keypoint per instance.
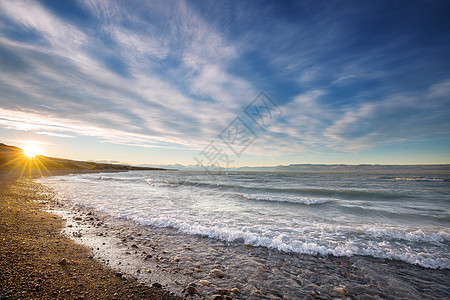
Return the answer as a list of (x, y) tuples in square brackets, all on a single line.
[(32, 150)]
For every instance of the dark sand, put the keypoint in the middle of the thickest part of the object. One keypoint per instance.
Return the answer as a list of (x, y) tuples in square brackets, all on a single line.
[(38, 262)]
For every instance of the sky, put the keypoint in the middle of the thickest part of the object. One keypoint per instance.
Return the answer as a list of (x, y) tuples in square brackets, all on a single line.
[(235, 83)]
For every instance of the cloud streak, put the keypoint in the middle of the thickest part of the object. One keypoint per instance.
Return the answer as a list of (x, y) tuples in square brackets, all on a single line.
[(172, 76)]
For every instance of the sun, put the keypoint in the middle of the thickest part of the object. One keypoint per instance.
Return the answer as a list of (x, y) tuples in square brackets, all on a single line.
[(31, 150)]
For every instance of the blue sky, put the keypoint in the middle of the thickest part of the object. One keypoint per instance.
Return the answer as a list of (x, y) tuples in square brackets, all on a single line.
[(157, 82)]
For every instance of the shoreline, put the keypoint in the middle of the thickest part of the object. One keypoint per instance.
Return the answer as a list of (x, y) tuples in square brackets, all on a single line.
[(164, 257), (212, 266), (38, 262)]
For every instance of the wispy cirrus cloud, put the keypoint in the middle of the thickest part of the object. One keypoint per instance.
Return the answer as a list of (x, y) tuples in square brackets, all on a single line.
[(174, 74), (77, 85)]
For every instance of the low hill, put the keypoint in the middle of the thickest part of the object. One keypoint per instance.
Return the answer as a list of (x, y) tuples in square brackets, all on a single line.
[(13, 159)]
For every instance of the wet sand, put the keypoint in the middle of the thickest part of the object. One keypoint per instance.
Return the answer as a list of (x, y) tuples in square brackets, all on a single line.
[(38, 262)]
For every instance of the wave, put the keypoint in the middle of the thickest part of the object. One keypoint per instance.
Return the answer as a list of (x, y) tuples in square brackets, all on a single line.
[(298, 200), (315, 247), (343, 193), (311, 233), (161, 183), (433, 179)]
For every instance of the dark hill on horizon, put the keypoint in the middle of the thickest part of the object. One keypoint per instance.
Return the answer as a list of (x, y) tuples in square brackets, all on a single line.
[(14, 159)]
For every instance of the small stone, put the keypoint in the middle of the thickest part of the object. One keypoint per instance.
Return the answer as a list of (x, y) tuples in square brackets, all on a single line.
[(257, 292), (217, 297), (78, 219), (276, 293), (157, 285), (217, 273), (223, 291), (149, 271), (134, 246), (235, 291), (191, 290), (340, 290), (197, 270), (63, 262), (204, 282), (118, 274)]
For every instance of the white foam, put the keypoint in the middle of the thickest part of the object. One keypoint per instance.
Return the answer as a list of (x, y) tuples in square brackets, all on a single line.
[(420, 179), (290, 199)]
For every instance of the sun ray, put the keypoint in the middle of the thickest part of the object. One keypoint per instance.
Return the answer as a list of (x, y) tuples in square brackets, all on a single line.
[(31, 150)]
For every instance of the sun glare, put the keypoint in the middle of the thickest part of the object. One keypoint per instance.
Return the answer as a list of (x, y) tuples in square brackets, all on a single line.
[(31, 150)]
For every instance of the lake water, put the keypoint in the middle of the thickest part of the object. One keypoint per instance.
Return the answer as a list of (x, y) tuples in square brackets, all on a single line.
[(393, 216)]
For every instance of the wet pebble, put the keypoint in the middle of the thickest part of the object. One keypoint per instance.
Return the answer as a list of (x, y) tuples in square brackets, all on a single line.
[(191, 290), (217, 273)]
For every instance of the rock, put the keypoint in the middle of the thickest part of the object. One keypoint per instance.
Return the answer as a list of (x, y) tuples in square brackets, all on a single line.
[(217, 297), (191, 290), (204, 282), (217, 273), (63, 262), (235, 291), (276, 293), (257, 292), (157, 285), (192, 284), (134, 246), (340, 290), (223, 291), (197, 270), (118, 274), (149, 271), (78, 219), (227, 297)]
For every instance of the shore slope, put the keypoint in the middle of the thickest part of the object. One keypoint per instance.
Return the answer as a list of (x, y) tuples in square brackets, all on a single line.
[(37, 262)]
